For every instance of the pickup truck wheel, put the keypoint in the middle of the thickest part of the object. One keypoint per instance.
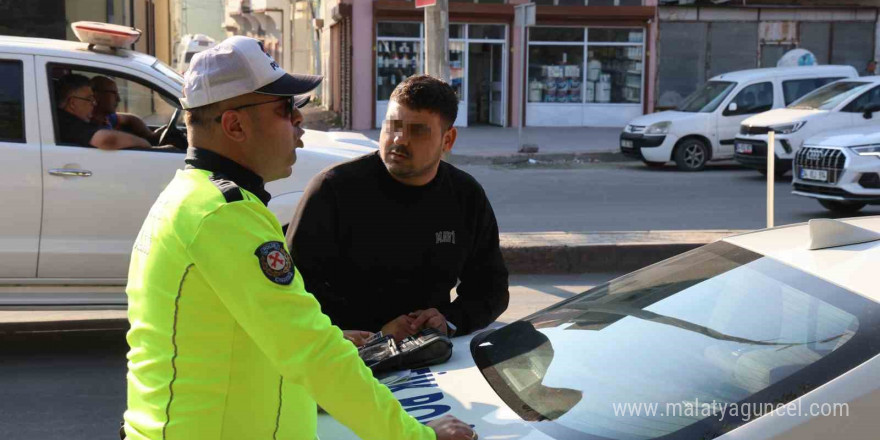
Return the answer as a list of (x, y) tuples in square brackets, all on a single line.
[(691, 155), (842, 207)]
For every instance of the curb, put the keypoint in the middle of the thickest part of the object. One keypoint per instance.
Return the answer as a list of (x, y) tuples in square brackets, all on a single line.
[(568, 253)]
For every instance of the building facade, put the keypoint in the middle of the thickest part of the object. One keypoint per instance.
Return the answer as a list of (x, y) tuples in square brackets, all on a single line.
[(286, 27), (586, 62), (706, 38), (52, 19)]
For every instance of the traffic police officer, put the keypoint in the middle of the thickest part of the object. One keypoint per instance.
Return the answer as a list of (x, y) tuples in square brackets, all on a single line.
[(225, 342)]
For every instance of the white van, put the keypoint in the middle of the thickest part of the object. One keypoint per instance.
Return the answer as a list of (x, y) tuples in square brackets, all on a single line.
[(704, 125), (840, 169), (189, 46), (846, 103)]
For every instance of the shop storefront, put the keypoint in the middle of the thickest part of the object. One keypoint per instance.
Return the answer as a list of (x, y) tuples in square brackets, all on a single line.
[(477, 63), (585, 76)]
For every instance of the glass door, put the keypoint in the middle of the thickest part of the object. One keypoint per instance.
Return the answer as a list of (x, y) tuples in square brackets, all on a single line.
[(486, 84)]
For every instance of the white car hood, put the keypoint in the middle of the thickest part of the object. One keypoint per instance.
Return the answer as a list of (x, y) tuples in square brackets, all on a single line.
[(669, 115), (864, 135), (455, 387), (782, 116), (322, 150)]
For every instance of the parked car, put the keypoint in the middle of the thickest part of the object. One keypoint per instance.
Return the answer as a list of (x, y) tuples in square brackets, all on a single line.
[(840, 169), (707, 344), (71, 214), (845, 103), (704, 125)]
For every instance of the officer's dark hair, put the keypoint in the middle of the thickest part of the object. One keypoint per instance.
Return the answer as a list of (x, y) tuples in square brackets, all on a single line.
[(200, 116), (424, 92), (68, 84)]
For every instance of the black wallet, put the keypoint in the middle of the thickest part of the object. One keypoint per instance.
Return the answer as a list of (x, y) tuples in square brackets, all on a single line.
[(427, 347)]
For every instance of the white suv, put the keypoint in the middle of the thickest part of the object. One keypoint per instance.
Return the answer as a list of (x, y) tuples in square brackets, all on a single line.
[(70, 214), (845, 103), (840, 169), (704, 125)]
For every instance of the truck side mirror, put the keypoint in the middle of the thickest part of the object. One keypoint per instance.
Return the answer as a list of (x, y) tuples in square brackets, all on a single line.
[(732, 108)]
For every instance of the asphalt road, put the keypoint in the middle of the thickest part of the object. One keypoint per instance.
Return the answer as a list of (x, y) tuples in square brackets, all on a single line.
[(70, 385), (629, 196)]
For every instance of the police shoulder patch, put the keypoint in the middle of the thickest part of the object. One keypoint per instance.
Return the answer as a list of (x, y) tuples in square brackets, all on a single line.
[(275, 262)]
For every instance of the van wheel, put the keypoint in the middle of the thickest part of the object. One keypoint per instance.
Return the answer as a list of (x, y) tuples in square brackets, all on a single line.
[(650, 164), (691, 155), (842, 207)]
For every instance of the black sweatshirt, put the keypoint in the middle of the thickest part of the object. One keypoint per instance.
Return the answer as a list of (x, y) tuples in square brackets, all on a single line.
[(371, 248)]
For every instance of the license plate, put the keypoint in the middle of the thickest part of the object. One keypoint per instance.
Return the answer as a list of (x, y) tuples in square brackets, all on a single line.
[(820, 175), (626, 143), (744, 148)]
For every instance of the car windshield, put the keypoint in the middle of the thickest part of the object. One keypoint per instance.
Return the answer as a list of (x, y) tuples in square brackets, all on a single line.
[(168, 72), (642, 356), (708, 98), (830, 96)]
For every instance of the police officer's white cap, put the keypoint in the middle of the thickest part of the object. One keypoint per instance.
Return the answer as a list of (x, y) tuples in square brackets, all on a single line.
[(238, 66)]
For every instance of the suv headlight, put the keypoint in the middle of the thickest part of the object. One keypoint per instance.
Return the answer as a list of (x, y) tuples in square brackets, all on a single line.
[(788, 128), (658, 128), (867, 150)]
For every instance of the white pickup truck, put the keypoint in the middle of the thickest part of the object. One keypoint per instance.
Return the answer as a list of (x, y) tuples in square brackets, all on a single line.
[(69, 214)]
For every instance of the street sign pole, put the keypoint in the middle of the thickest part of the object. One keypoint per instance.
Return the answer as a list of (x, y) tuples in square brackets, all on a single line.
[(436, 37), (525, 16), (771, 175)]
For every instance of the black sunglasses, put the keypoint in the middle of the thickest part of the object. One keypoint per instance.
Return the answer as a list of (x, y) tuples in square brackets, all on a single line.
[(288, 109)]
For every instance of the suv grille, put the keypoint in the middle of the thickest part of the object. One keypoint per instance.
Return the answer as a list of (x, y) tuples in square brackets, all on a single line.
[(636, 128), (748, 129), (820, 159)]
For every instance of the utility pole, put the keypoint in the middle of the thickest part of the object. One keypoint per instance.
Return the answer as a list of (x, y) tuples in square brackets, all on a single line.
[(436, 37)]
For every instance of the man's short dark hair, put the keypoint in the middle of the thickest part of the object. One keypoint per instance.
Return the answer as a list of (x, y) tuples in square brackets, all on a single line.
[(201, 115), (68, 84), (424, 92)]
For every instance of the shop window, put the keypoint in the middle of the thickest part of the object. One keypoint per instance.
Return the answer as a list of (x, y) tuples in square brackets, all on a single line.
[(572, 3), (399, 29), (456, 66), (556, 35), (756, 98), (456, 31), (556, 74), (395, 61), (486, 32), (609, 35), (11, 102), (614, 73), (601, 2), (793, 90)]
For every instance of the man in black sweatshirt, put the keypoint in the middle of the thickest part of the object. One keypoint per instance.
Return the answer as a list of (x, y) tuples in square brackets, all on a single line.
[(381, 240)]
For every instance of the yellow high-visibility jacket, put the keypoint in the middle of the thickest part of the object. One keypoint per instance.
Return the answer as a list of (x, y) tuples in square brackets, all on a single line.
[(225, 342)]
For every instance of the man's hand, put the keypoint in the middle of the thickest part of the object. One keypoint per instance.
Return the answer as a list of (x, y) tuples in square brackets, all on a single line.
[(399, 327), (450, 428), (431, 318), (357, 337)]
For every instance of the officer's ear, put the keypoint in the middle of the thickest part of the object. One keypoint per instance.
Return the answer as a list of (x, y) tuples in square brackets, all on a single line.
[(231, 126)]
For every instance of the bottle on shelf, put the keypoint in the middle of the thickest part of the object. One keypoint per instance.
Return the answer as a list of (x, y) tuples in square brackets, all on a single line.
[(594, 68)]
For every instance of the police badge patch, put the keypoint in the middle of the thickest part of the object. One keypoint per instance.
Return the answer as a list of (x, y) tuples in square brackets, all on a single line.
[(275, 262)]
